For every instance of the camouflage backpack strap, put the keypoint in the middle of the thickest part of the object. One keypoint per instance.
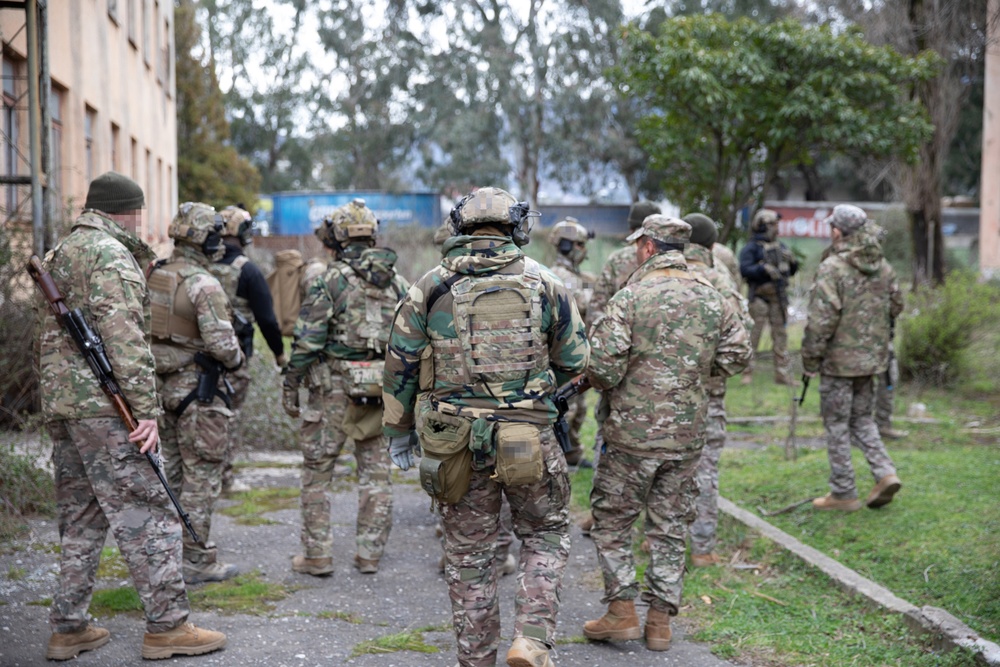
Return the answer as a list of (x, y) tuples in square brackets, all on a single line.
[(682, 274)]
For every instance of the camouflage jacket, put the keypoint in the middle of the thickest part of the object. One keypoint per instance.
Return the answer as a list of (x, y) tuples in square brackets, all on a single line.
[(852, 305), (726, 260), (617, 269), (417, 331), (579, 283), (700, 261), (99, 269), (213, 315), (663, 335), (348, 310)]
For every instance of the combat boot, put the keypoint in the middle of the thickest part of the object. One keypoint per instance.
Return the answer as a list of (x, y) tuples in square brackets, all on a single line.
[(828, 502), (657, 630), (525, 652), (185, 639), (317, 567), (66, 645), (198, 573), (890, 433), (883, 492), (620, 622), (365, 566), (705, 560)]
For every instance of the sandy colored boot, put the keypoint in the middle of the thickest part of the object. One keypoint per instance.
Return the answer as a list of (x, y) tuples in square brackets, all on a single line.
[(884, 491), (705, 560), (66, 645), (186, 639), (657, 630), (525, 652), (620, 622), (197, 573), (317, 567), (365, 566), (828, 502)]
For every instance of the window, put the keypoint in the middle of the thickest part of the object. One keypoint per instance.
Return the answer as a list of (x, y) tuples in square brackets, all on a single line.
[(132, 13), (160, 229), (170, 194), (145, 31), (165, 59), (134, 156), (89, 123), (11, 130), (152, 219), (115, 152), (55, 178), (113, 10), (156, 47)]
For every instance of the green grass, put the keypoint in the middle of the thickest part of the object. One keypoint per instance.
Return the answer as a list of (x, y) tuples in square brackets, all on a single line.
[(253, 504), (340, 616), (410, 640), (112, 564), (15, 573), (110, 601), (245, 594)]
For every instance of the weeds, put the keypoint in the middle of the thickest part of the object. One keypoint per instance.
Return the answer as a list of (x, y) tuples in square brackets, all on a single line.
[(411, 640), (245, 594), (251, 505)]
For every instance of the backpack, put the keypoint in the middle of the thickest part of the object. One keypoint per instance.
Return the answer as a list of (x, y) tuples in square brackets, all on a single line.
[(284, 283)]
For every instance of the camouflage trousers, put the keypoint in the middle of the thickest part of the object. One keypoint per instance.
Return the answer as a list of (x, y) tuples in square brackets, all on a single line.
[(194, 448), (707, 504), (763, 313), (626, 484), (846, 405), (102, 482), (240, 380), (540, 518), (322, 438), (885, 401), (505, 534), (575, 414)]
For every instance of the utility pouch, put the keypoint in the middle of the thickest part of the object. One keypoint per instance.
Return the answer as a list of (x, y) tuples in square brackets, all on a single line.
[(362, 379), (519, 453), (362, 422), (446, 465), (767, 291), (319, 378), (425, 377), (482, 446)]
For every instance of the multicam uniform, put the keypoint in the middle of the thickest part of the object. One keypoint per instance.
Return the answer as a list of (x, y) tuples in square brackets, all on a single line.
[(479, 371), (617, 269), (854, 299), (662, 336), (191, 314), (345, 318), (700, 261), (101, 479)]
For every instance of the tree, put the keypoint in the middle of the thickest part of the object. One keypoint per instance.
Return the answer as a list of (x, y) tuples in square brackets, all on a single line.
[(734, 102), (208, 168)]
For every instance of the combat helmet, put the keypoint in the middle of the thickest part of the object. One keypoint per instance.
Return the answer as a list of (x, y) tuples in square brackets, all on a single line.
[(640, 211), (351, 223), (493, 206), (568, 234), (198, 225), (763, 218), (237, 222)]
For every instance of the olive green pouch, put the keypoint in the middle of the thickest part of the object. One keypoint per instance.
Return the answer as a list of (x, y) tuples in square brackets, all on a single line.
[(482, 445), (446, 465), (519, 453), (362, 422)]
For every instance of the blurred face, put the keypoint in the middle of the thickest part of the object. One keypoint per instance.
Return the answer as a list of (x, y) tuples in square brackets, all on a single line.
[(644, 249), (130, 220)]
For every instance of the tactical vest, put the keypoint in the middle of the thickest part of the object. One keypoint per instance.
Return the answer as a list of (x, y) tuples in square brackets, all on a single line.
[(367, 310), (498, 322), (173, 313), (229, 276)]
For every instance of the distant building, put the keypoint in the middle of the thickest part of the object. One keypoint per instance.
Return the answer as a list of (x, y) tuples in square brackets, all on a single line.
[(113, 104)]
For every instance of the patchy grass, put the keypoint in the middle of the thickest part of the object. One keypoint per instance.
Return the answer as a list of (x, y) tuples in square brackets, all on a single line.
[(15, 573), (245, 594), (112, 564), (410, 640), (265, 465), (111, 601), (253, 504), (439, 627), (44, 602), (347, 617)]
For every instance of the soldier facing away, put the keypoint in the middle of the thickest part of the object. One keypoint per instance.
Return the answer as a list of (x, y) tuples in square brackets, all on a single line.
[(853, 302), (766, 263), (339, 351), (489, 335), (194, 344), (663, 335), (102, 479)]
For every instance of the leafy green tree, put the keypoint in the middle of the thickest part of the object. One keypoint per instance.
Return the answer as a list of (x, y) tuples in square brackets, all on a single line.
[(209, 169), (734, 102)]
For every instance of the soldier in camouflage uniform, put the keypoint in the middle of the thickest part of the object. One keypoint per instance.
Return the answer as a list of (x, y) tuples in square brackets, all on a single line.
[(339, 348), (250, 297), (852, 304), (194, 342), (570, 240), (661, 338), (701, 261), (102, 479), (766, 263), (725, 260), (490, 334)]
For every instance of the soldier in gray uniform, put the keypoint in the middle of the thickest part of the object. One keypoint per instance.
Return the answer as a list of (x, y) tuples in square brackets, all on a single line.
[(102, 480), (853, 302), (662, 336), (194, 345)]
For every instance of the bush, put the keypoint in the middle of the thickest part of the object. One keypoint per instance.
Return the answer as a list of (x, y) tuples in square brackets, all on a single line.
[(24, 489), (18, 385), (940, 326)]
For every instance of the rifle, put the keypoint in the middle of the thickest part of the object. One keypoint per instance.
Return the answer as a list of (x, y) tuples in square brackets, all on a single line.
[(244, 333), (791, 453), (91, 347), (561, 398)]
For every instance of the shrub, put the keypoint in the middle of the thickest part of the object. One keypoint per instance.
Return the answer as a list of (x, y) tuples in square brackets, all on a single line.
[(24, 489), (941, 324)]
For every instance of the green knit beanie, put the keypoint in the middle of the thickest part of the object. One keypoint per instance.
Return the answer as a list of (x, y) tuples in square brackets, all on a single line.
[(640, 211), (703, 230), (113, 193)]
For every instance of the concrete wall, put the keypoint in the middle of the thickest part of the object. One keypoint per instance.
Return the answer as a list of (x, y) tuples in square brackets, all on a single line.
[(114, 61)]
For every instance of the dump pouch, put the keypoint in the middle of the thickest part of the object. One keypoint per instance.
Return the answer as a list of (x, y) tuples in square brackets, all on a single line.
[(362, 422), (319, 377), (446, 465), (519, 453)]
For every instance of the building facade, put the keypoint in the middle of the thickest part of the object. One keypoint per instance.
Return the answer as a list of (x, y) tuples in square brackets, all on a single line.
[(112, 105)]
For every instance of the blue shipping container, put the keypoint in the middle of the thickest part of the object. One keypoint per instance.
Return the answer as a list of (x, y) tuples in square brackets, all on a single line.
[(294, 213)]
